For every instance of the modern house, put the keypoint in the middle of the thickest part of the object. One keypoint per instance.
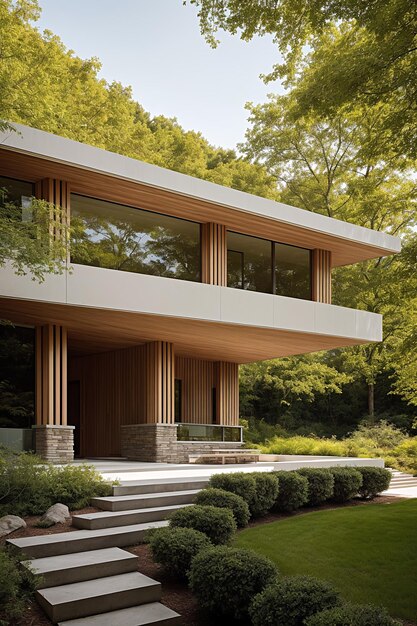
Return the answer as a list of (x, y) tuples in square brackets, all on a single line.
[(175, 281)]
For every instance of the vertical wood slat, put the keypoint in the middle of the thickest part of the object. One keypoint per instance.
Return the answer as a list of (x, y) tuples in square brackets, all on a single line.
[(159, 382), (322, 276), (227, 385), (51, 375), (57, 192), (214, 254)]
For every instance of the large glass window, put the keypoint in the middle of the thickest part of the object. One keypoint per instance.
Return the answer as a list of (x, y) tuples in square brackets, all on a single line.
[(268, 267), (292, 271), (17, 196), (110, 235), (249, 264), (17, 376)]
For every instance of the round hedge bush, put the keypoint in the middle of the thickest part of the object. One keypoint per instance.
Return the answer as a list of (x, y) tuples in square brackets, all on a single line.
[(174, 548), (320, 484), (352, 615), (374, 480), (347, 482), (227, 500), (292, 491), (288, 601), (225, 580), (240, 483), (218, 524), (266, 484)]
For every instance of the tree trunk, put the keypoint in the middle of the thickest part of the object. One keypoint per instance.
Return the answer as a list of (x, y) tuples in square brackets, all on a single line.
[(371, 401)]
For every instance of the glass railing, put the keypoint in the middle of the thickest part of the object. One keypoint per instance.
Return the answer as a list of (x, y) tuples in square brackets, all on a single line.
[(209, 432)]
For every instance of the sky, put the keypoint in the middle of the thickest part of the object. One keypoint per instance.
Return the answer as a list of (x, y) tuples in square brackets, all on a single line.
[(156, 47)]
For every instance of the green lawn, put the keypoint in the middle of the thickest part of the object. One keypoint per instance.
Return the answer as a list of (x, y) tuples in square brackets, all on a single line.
[(368, 552)]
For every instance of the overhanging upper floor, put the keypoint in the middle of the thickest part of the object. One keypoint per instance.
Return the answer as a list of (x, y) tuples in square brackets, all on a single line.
[(32, 154), (118, 309)]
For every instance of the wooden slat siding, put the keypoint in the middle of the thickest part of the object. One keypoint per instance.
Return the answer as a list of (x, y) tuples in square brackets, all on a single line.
[(135, 194), (213, 254), (132, 386), (51, 375), (227, 385), (111, 393), (322, 276), (197, 376)]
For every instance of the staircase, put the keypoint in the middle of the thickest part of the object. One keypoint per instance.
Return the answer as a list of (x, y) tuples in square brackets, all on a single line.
[(86, 579), (401, 480)]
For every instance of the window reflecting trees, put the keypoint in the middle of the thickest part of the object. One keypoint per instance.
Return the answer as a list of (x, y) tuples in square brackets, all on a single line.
[(105, 234), (268, 267)]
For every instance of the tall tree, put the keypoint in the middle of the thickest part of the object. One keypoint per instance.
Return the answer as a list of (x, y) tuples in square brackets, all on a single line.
[(358, 51), (338, 167)]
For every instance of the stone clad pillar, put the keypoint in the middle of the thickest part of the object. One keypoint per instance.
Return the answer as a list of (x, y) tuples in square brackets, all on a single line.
[(54, 439)]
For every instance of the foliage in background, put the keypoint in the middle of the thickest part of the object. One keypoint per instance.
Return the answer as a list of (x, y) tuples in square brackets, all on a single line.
[(27, 244), (374, 441), (29, 485)]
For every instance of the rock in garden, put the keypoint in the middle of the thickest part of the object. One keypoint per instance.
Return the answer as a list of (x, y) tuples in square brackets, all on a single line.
[(9, 523), (56, 514)]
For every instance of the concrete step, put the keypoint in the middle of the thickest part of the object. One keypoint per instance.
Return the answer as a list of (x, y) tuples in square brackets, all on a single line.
[(403, 481), (144, 501), (110, 519), (79, 566), (82, 540), (146, 614), (159, 485), (101, 595)]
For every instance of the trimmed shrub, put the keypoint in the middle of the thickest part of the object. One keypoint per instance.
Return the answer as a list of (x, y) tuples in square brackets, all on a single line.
[(320, 484), (218, 524), (226, 579), (227, 500), (292, 491), (174, 548), (29, 485), (347, 482), (266, 493), (374, 480), (17, 586), (240, 483), (290, 600), (352, 615)]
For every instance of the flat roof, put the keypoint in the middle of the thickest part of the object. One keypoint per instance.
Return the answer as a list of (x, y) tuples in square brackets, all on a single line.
[(348, 242)]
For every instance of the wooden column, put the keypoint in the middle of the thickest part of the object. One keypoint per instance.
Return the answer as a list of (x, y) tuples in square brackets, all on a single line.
[(58, 193), (214, 254), (227, 393), (322, 276), (159, 383), (51, 375)]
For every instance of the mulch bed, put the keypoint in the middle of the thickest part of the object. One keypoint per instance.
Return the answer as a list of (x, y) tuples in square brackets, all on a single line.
[(176, 595)]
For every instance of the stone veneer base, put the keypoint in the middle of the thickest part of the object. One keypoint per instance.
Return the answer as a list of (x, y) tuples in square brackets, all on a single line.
[(157, 443), (55, 443)]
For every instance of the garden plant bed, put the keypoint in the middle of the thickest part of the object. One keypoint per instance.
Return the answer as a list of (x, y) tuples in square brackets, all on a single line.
[(177, 595), (33, 530)]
